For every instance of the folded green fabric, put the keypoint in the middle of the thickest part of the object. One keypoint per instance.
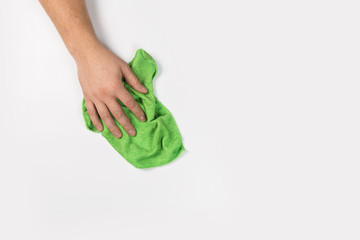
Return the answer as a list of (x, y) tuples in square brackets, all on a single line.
[(157, 140)]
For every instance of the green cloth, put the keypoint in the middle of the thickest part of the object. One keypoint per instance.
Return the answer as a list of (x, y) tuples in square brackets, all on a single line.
[(157, 140)]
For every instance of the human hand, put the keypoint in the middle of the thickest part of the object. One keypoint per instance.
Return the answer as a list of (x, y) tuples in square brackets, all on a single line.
[(100, 74)]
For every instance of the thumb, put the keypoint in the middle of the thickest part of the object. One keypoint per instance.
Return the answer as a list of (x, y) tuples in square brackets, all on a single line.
[(132, 80)]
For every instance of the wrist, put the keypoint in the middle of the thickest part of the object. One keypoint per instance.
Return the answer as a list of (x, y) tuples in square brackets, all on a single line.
[(81, 49)]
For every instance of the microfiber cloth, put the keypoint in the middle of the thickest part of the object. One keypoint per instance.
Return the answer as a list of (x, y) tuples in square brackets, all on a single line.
[(157, 140)]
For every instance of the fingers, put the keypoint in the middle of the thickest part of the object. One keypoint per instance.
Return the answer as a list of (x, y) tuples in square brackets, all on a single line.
[(108, 120), (93, 115), (105, 105), (127, 99), (132, 80), (120, 116)]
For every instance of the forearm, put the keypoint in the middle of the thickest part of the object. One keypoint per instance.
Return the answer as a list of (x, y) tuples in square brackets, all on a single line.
[(72, 21)]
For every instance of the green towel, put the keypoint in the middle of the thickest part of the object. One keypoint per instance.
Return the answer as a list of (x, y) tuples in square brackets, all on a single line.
[(157, 140)]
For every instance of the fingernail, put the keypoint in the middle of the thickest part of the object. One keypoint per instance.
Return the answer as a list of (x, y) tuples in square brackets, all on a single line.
[(132, 132), (118, 135), (142, 118), (144, 89), (100, 129)]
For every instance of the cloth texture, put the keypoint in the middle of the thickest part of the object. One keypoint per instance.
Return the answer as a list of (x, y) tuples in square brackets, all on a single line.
[(157, 140)]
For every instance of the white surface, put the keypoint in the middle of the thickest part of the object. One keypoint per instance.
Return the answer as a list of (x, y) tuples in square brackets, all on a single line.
[(266, 96)]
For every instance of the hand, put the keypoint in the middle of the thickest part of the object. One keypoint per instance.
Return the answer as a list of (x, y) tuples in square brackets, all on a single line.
[(100, 74)]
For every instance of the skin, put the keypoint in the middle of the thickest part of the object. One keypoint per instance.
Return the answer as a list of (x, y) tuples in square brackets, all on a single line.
[(100, 71)]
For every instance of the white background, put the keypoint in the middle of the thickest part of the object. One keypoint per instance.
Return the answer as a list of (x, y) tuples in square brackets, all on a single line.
[(265, 94)]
